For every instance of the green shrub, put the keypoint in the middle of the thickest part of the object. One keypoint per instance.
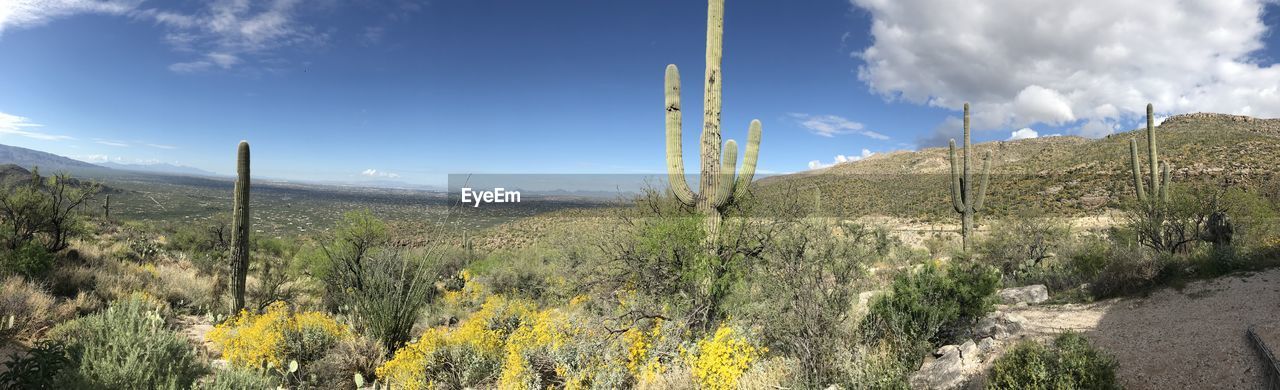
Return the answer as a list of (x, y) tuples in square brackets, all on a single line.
[(1069, 363), (41, 367), (30, 259), (1129, 270), (127, 346), (238, 379), (930, 307), (1018, 246), (801, 293)]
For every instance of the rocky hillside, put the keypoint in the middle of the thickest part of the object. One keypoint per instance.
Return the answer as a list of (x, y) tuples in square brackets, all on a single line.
[(1064, 175), (47, 162)]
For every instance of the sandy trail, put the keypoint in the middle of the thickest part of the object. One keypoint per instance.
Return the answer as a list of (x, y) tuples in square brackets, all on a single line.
[(1189, 339)]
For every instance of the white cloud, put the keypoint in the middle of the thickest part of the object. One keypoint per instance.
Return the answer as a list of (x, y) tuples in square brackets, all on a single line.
[(840, 158), (34, 13), (220, 35), (376, 173), (1090, 65), (160, 146), (13, 125), (117, 144), (1023, 133), (832, 125), (102, 158)]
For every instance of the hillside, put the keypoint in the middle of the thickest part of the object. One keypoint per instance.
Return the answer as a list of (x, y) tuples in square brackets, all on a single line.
[(47, 162), (1063, 175)]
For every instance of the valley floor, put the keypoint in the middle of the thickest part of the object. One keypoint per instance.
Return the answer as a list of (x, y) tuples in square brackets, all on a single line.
[(1193, 338)]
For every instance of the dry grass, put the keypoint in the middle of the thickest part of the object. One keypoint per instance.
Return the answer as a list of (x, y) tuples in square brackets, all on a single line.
[(27, 310)]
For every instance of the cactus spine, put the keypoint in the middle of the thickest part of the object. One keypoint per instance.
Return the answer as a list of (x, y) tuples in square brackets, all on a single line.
[(1159, 170), (963, 198), (240, 229), (717, 186)]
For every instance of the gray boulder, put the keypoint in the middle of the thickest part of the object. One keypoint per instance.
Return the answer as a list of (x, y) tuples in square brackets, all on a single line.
[(1033, 294)]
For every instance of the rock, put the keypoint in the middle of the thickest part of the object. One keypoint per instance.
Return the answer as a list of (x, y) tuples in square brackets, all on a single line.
[(946, 350), (951, 370), (987, 344), (969, 350), (999, 325), (1033, 294)]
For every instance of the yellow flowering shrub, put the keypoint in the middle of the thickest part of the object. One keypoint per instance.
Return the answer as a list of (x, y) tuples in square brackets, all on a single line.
[(276, 336), (467, 355), (641, 361), (720, 360)]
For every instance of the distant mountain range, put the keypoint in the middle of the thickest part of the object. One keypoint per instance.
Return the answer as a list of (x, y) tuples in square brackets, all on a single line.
[(47, 162), (168, 169)]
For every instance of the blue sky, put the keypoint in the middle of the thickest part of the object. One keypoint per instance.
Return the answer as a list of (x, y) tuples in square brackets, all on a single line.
[(412, 91)]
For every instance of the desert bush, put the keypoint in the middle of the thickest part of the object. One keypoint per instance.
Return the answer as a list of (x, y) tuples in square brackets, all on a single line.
[(929, 307), (466, 356), (561, 347), (238, 378), (720, 360), (44, 366), (127, 346), (802, 290), (1129, 270), (1069, 363), (44, 210), (1020, 245), (1174, 226), (276, 337), (27, 310), (338, 367), (383, 290), (29, 259)]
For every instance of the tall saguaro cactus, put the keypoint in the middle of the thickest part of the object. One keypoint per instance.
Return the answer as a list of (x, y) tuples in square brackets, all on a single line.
[(717, 186), (963, 197), (240, 229), (1159, 171)]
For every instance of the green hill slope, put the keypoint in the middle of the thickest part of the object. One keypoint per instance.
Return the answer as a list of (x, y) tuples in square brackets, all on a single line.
[(1061, 175)]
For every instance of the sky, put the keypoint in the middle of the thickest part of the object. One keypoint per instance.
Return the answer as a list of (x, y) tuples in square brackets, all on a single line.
[(411, 91)]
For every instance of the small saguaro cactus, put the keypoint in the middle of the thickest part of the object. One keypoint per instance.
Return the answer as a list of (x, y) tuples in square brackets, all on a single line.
[(240, 229), (963, 197), (106, 208), (1159, 170), (717, 187)]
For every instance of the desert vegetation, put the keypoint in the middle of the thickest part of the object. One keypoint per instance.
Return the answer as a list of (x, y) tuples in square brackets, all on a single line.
[(741, 284)]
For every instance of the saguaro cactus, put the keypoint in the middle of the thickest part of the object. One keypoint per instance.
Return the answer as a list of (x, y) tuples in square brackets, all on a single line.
[(240, 229), (963, 197), (106, 208), (1159, 171), (717, 186)]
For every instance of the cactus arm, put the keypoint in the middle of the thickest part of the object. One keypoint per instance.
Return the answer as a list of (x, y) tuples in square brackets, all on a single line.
[(1137, 170), (711, 105), (748, 160), (1151, 146), (957, 195), (675, 156), (982, 187), (1164, 186), (728, 164)]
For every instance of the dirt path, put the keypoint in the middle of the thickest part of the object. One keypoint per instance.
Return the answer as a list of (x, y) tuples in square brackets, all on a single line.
[(1189, 339)]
